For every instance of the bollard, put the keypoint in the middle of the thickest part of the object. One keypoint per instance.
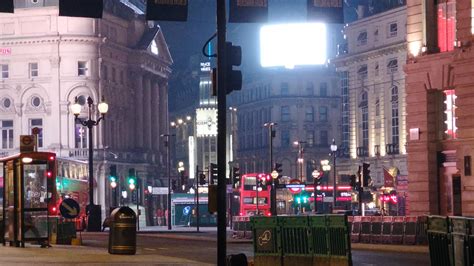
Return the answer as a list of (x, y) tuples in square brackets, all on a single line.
[(123, 231)]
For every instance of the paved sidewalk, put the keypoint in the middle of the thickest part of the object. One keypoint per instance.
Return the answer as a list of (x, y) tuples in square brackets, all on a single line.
[(80, 255)]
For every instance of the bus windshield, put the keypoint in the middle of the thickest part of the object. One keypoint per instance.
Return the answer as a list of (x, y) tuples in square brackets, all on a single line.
[(250, 183)]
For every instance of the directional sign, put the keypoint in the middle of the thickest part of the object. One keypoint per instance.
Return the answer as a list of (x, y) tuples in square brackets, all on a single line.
[(69, 208)]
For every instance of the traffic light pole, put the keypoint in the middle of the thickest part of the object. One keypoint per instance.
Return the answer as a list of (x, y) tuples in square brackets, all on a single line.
[(361, 190), (273, 208), (221, 129), (197, 198)]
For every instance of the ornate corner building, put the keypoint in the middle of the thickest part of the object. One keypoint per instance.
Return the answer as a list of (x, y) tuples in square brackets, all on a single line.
[(440, 98), (47, 61)]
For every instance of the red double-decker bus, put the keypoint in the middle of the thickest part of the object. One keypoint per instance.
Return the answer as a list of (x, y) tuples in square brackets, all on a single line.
[(248, 194)]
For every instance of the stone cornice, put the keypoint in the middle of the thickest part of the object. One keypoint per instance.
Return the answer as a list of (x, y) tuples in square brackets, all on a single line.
[(367, 55), (49, 39)]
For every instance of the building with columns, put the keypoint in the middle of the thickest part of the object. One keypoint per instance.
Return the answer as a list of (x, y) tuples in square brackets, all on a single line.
[(48, 61), (372, 84), (439, 106)]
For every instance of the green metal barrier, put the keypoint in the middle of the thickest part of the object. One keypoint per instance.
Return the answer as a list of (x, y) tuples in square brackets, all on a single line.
[(470, 242), (318, 225), (296, 241), (459, 239), (266, 240), (438, 240), (339, 240)]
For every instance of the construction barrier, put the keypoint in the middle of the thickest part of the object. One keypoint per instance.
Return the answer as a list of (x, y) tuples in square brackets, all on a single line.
[(438, 240), (319, 227), (339, 240), (421, 237), (398, 230), (410, 232), (376, 229), (302, 240), (241, 227), (365, 228), (266, 240), (355, 228), (296, 240), (386, 236)]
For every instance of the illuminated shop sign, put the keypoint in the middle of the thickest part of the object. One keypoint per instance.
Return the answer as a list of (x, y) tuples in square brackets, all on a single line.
[(5, 51), (206, 122)]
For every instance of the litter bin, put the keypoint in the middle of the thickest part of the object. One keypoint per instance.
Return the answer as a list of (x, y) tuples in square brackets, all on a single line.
[(123, 231)]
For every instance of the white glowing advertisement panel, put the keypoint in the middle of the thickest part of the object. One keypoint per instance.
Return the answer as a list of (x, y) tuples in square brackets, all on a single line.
[(291, 45), (206, 122)]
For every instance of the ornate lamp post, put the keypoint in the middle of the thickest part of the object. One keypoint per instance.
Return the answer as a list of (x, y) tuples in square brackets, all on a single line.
[(93, 214)]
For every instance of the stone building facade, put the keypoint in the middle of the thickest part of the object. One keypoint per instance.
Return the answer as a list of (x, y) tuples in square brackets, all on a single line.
[(48, 61)]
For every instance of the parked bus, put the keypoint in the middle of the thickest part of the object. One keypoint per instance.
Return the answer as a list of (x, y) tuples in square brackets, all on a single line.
[(248, 194)]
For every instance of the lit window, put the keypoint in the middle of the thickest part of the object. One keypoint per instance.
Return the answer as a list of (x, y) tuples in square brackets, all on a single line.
[(362, 38), (395, 120), (33, 67), (392, 29), (4, 69), (450, 111), (82, 68), (154, 48), (80, 136), (446, 26)]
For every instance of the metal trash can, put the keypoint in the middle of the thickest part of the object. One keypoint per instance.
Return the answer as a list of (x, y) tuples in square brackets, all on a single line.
[(123, 231)]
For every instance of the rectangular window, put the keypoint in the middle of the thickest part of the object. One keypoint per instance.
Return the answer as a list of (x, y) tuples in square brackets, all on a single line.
[(362, 72), (323, 89), (310, 137), (362, 38), (309, 116), (38, 123), (80, 136), (113, 75), (365, 127), (344, 79), (446, 25), (82, 68), (323, 113), (7, 134), (284, 89), (285, 138), (105, 73), (33, 68), (392, 29), (4, 69), (392, 66), (323, 138), (285, 113)]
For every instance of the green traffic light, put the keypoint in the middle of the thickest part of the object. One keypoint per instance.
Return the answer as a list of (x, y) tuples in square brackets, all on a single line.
[(131, 181), (113, 179)]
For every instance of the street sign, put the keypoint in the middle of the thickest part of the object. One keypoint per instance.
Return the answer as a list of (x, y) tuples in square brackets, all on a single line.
[(69, 208), (295, 190), (316, 174), (27, 143), (159, 191)]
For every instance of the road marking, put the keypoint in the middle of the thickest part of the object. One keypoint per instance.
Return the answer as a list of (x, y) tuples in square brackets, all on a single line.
[(150, 249)]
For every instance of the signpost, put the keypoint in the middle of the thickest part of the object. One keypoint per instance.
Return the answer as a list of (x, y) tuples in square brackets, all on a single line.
[(316, 175), (69, 208)]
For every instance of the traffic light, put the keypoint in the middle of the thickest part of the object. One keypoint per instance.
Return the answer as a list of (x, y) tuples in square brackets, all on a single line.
[(236, 176), (212, 199), (202, 179), (277, 168), (182, 177), (113, 176), (233, 58), (214, 175), (132, 179), (173, 185), (366, 174), (353, 181)]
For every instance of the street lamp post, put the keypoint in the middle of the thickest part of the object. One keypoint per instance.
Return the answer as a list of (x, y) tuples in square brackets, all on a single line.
[(93, 215), (300, 160), (271, 135), (168, 207), (334, 190)]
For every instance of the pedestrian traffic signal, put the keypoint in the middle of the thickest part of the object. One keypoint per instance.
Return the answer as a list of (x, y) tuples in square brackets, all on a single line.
[(132, 179), (353, 181), (233, 58), (202, 179), (214, 174), (182, 177), (366, 174)]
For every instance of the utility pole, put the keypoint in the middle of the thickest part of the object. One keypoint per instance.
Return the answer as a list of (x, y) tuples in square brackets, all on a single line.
[(197, 197), (221, 135)]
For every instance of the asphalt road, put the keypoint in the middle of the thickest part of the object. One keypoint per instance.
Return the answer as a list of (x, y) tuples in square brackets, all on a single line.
[(204, 251)]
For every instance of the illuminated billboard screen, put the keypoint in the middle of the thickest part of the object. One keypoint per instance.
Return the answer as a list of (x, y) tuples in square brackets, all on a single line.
[(206, 122), (291, 45)]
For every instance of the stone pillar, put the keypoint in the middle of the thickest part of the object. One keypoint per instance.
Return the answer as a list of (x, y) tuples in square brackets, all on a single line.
[(155, 126), (147, 112), (139, 111)]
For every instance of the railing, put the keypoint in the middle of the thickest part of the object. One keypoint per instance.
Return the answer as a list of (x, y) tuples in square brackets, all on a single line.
[(392, 149), (362, 152)]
